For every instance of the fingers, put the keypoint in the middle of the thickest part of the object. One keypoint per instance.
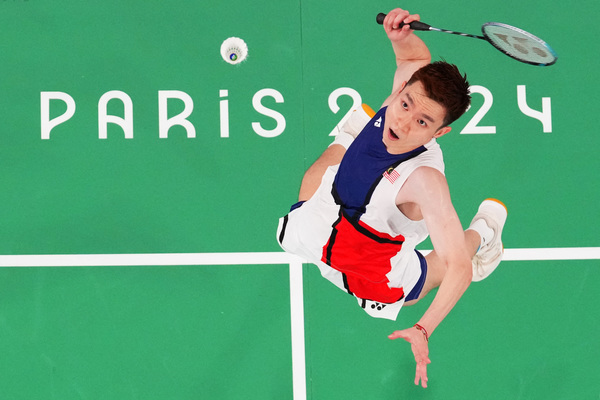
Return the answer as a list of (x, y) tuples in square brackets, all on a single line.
[(395, 18), (399, 18), (421, 373), (423, 379), (420, 351), (398, 335)]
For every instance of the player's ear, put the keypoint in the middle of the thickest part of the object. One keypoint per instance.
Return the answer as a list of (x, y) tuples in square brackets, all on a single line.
[(402, 87), (442, 131)]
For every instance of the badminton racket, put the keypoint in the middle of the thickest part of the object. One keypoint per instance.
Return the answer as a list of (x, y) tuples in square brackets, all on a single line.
[(512, 41)]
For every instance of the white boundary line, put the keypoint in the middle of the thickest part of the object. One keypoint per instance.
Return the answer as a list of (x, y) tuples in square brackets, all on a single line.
[(298, 340), (296, 280), (565, 253), (159, 259), (146, 259)]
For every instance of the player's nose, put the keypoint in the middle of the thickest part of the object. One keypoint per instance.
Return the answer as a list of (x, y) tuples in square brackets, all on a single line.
[(402, 123)]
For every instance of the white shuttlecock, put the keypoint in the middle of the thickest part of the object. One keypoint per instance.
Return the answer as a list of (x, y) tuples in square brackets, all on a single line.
[(234, 50)]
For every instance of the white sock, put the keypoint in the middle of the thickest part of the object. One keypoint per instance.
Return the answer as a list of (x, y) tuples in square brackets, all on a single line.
[(486, 233)]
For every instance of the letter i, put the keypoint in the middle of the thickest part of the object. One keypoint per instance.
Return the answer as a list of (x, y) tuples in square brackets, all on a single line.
[(224, 114)]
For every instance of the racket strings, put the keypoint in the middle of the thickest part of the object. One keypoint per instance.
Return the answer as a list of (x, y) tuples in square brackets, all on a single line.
[(519, 44)]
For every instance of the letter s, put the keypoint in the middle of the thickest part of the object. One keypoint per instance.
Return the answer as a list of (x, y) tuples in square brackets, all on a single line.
[(256, 103)]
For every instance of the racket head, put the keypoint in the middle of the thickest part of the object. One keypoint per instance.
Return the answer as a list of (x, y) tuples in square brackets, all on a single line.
[(519, 44)]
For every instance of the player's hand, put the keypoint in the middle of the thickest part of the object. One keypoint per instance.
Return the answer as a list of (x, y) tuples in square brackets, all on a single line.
[(393, 20), (420, 349)]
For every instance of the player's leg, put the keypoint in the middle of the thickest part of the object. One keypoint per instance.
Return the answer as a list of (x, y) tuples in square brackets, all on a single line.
[(312, 177), (436, 268)]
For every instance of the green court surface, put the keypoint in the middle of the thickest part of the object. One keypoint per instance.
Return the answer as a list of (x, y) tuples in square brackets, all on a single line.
[(172, 285)]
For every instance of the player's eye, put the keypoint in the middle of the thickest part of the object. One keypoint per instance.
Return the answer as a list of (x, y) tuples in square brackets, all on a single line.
[(422, 123), (405, 105)]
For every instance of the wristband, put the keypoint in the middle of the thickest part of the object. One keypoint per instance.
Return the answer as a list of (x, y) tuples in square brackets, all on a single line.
[(419, 327)]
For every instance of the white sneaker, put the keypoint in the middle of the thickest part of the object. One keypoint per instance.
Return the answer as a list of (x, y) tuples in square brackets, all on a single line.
[(358, 120), (487, 258), (353, 126)]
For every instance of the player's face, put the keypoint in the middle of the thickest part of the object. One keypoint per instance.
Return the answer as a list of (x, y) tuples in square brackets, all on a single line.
[(412, 119)]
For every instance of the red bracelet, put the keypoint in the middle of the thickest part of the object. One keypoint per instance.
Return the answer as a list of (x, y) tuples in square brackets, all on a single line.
[(419, 327)]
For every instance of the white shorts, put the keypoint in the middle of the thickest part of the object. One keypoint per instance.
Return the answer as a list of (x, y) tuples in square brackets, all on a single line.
[(297, 235)]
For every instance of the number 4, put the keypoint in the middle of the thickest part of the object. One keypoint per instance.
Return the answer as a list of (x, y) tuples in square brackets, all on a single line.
[(544, 116)]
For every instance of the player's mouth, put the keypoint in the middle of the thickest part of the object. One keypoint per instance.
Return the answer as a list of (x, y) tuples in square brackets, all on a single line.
[(393, 135)]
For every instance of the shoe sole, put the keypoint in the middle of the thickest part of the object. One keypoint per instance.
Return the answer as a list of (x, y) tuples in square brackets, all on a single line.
[(499, 209)]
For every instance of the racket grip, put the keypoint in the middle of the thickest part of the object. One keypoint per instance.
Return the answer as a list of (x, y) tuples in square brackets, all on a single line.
[(415, 25)]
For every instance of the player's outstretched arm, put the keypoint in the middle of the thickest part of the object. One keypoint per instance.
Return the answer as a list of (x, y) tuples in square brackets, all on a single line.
[(428, 189)]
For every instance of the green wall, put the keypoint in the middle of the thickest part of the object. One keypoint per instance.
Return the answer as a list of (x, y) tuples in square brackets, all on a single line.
[(223, 332)]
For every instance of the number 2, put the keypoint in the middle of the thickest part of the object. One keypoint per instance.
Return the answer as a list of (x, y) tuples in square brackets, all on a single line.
[(488, 100), (333, 105)]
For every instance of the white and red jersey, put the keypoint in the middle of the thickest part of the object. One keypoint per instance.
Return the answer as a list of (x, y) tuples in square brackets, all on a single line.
[(352, 229)]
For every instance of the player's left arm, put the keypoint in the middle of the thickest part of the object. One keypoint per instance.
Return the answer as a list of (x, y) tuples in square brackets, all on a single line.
[(428, 188), (448, 239)]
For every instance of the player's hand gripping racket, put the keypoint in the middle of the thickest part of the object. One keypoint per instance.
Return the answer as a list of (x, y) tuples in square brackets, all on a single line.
[(512, 41)]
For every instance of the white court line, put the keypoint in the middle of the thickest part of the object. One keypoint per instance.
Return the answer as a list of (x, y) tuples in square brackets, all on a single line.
[(158, 259), (565, 253), (298, 340), (295, 268), (145, 259)]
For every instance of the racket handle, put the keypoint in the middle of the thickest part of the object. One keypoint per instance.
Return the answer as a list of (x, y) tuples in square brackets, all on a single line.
[(415, 25)]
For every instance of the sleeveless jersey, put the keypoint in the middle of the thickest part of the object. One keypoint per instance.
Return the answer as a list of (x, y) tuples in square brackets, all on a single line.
[(352, 223)]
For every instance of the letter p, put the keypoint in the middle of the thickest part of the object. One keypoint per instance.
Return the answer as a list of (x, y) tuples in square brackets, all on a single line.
[(47, 123)]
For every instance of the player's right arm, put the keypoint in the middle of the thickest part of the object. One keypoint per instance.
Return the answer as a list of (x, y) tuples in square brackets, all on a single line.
[(410, 51)]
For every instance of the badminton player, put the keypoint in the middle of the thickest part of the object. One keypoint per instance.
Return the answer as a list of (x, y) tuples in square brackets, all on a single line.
[(379, 189)]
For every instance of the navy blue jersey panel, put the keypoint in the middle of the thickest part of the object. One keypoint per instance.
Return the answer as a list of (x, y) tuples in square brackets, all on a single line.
[(363, 166)]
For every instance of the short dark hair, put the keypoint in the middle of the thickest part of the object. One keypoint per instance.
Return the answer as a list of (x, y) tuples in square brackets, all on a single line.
[(445, 85)]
